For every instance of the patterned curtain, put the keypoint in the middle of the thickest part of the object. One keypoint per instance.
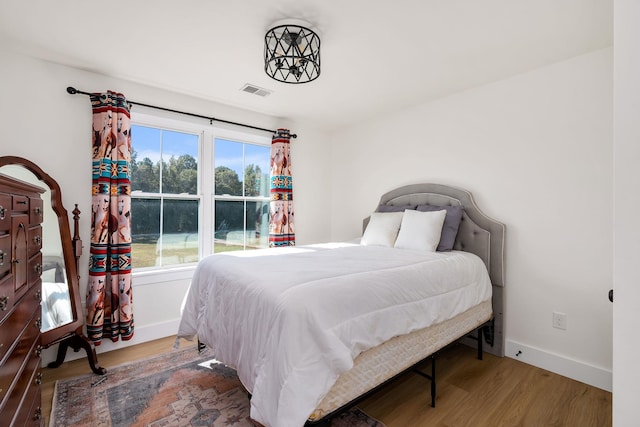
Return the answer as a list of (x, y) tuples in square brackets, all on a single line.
[(281, 223), (109, 293)]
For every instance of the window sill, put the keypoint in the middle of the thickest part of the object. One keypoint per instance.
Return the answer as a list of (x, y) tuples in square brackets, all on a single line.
[(169, 274)]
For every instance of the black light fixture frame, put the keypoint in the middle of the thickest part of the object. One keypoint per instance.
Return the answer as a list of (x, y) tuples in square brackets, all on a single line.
[(292, 54)]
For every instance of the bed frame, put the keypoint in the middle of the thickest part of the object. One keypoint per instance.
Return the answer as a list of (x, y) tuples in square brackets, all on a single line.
[(477, 234)]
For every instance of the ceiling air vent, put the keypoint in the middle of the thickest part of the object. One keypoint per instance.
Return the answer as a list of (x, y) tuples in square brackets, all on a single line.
[(255, 90)]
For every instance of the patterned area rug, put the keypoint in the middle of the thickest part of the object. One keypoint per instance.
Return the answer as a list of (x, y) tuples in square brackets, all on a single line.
[(179, 388)]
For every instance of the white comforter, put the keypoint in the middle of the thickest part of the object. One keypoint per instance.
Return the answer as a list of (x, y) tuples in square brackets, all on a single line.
[(290, 320)]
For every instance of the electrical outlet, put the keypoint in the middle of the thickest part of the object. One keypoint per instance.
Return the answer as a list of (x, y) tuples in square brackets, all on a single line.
[(559, 320)]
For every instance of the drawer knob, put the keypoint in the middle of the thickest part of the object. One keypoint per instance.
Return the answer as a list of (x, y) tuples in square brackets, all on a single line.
[(38, 350), (38, 379), (38, 295), (37, 415), (38, 324), (3, 212), (38, 211), (1, 258), (37, 268), (4, 302), (37, 239)]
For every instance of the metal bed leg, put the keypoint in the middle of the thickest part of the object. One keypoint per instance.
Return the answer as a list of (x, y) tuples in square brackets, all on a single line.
[(431, 378), (480, 339), (433, 381)]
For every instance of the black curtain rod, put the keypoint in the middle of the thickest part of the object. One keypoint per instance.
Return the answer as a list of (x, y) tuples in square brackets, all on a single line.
[(74, 91)]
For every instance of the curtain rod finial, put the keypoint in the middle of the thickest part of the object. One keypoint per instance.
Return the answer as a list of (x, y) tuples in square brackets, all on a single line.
[(71, 90)]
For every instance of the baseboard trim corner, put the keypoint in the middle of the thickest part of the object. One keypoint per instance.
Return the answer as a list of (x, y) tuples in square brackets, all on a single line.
[(561, 365)]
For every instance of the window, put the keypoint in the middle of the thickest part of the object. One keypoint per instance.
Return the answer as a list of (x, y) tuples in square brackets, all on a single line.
[(195, 190), (241, 196), (164, 200)]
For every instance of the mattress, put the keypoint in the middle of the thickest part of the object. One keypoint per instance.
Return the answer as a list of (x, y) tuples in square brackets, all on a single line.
[(381, 363), (291, 320)]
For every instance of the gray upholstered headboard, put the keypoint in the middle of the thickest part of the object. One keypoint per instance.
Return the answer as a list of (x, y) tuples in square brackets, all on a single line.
[(477, 234)]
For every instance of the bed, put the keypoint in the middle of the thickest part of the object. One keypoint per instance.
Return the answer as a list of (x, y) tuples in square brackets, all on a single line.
[(312, 329)]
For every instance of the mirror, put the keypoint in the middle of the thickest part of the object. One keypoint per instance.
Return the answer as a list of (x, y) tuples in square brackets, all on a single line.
[(56, 300), (62, 319)]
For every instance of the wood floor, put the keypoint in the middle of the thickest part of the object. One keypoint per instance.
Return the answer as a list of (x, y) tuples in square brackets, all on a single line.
[(492, 392)]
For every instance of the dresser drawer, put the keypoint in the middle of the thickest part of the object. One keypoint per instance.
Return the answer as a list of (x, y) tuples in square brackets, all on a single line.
[(20, 203), (29, 413), (35, 269), (25, 319), (34, 415), (15, 405), (6, 297), (35, 239), (5, 254), (5, 212), (36, 211)]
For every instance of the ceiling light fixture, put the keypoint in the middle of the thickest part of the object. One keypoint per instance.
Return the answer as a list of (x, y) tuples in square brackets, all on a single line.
[(292, 54)]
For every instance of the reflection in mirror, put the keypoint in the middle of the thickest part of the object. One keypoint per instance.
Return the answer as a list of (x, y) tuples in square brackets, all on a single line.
[(62, 320), (56, 301)]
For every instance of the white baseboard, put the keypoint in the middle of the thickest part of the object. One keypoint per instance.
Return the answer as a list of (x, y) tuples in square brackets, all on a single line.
[(561, 365), (141, 335)]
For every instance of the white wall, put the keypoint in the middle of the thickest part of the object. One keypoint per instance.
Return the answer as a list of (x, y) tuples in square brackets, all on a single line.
[(310, 159), (626, 377), (44, 124), (536, 152)]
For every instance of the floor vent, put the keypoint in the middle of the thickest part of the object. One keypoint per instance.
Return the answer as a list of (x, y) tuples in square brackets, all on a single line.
[(255, 90)]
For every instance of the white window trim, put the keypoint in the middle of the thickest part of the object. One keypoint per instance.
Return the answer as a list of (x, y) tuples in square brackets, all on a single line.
[(208, 133), (163, 274)]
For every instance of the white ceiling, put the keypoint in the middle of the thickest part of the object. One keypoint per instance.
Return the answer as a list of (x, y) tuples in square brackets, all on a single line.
[(377, 55)]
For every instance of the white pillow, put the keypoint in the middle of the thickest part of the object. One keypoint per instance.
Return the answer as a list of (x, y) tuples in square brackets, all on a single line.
[(382, 229), (420, 230)]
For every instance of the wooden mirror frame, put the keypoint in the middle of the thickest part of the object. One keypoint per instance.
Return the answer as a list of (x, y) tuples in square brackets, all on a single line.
[(70, 334)]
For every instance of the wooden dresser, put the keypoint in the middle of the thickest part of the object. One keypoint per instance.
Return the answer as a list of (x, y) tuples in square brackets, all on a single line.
[(20, 294)]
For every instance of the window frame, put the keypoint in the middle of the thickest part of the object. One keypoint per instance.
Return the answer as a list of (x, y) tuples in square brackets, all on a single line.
[(205, 193)]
